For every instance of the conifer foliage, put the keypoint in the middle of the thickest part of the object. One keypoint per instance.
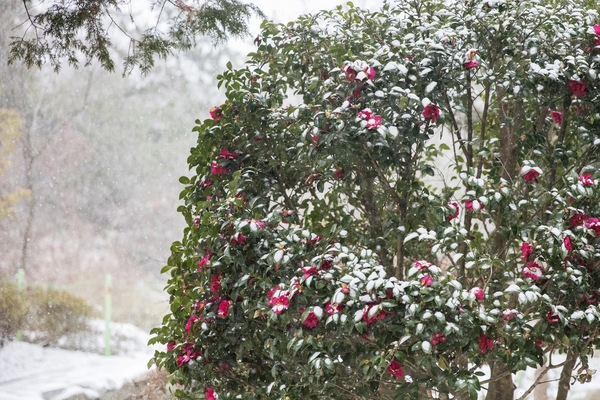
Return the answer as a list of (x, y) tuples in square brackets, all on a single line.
[(329, 255)]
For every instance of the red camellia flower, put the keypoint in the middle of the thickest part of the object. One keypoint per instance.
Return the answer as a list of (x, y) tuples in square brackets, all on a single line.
[(326, 264), (350, 73), (431, 112), (206, 183), (438, 338), (370, 71), (526, 250), (230, 155), (204, 261), (578, 219), (215, 283), (217, 169), (421, 265), (271, 292), (426, 280), (469, 205), (238, 238), (372, 318), (171, 345), (332, 308), (577, 88), (224, 309), (311, 320), (485, 343), (308, 271), (470, 64), (280, 303), (586, 180), (507, 315), (190, 322), (592, 223), (531, 175), (597, 29), (339, 173), (568, 244), (551, 317), (454, 205), (365, 114), (374, 122), (533, 271), (556, 116), (216, 113), (188, 354), (395, 368), (478, 292), (210, 394)]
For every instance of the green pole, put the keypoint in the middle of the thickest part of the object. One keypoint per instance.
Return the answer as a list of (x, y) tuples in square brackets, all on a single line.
[(20, 287), (107, 311)]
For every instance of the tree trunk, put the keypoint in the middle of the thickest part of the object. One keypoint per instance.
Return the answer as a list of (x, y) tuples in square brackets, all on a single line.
[(501, 387), (540, 391), (564, 384)]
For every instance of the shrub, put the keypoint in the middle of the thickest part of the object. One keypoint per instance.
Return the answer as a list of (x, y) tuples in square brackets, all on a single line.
[(54, 315), (13, 311), (320, 260)]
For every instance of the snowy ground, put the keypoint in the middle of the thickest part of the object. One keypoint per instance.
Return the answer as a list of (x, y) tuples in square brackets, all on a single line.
[(32, 372)]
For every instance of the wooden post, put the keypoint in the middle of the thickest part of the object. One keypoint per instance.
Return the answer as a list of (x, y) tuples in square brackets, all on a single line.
[(107, 312)]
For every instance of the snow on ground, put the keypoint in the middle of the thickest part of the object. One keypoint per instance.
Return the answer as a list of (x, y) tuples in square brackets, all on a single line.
[(32, 372)]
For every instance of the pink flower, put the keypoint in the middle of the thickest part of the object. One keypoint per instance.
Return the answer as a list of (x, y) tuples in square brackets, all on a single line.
[(204, 261), (217, 169), (577, 219), (238, 238), (216, 113), (332, 308), (280, 303), (478, 292), (171, 345), (533, 271), (374, 122), (469, 205), (568, 244), (551, 317), (206, 183), (210, 394), (431, 112), (437, 338), (339, 173), (531, 175), (395, 368), (454, 205), (308, 271), (228, 154), (586, 180), (470, 64), (592, 223), (526, 250), (556, 116), (426, 280), (215, 283), (597, 29), (311, 320), (507, 315), (421, 265), (577, 88), (315, 239), (485, 343), (365, 114), (224, 309)]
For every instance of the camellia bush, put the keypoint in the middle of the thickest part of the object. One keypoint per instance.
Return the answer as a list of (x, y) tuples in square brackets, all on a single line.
[(400, 204)]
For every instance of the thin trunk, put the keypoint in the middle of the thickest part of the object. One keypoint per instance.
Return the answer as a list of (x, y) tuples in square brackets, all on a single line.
[(564, 383)]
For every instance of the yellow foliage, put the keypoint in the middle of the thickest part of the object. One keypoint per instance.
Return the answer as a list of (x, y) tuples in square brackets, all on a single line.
[(10, 124)]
